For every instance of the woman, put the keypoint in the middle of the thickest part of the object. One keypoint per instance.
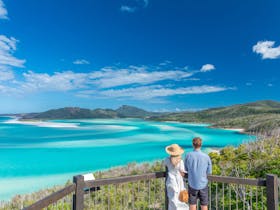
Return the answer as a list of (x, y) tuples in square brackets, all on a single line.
[(175, 182)]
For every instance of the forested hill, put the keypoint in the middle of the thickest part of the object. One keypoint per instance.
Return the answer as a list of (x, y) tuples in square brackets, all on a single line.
[(80, 113), (257, 116)]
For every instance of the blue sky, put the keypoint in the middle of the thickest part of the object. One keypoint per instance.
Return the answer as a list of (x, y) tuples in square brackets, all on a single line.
[(159, 55)]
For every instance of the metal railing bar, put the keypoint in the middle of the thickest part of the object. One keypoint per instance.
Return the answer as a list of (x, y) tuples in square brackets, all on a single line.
[(133, 196), (149, 193), (236, 197), (223, 188), (251, 197), (262, 199), (210, 195), (244, 197), (216, 195), (229, 196)]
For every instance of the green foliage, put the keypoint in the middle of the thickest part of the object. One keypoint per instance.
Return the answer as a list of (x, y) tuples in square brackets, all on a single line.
[(254, 159), (250, 160)]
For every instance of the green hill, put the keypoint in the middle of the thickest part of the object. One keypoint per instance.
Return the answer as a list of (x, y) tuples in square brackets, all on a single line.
[(260, 116), (72, 113), (256, 116), (134, 112), (124, 111)]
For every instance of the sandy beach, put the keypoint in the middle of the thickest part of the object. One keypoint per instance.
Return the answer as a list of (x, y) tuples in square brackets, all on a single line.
[(241, 130), (40, 123)]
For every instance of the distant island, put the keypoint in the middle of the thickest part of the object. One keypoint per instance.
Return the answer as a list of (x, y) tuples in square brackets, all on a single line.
[(260, 116), (124, 111)]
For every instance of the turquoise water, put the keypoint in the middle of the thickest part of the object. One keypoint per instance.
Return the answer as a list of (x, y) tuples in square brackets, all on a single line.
[(42, 154)]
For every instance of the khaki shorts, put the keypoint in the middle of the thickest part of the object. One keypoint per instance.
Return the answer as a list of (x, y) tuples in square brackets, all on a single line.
[(202, 195)]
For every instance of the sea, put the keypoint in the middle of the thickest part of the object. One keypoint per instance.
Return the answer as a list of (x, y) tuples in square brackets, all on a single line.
[(37, 155)]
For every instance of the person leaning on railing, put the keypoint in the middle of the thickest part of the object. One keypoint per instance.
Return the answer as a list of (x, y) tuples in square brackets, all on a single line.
[(175, 182), (198, 165)]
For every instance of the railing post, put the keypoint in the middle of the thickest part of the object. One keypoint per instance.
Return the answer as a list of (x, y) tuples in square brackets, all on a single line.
[(78, 197), (272, 191), (166, 197)]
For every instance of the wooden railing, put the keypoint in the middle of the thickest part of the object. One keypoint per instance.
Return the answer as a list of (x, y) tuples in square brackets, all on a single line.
[(124, 193), (81, 187), (240, 193)]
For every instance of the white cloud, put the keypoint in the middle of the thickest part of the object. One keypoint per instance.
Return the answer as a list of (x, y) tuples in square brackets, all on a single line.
[(125, 8), (266, 49), (59, 81), (207, 67), (110, 77), (165, 63), (136, 82), (138, 4), (81, 62), (6, 74), (154, 91), (10, 91), (7, 48), (3, 11)]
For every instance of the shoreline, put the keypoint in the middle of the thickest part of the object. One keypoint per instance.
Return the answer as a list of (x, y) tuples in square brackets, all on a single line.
[(239, 130), (208, 125), (235, 129), (42, 123), (46, 123)]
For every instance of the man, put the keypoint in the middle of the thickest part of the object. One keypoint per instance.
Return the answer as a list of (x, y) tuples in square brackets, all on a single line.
[(198, 165)]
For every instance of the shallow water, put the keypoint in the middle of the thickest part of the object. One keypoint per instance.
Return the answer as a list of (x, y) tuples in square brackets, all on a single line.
[(44, 154)]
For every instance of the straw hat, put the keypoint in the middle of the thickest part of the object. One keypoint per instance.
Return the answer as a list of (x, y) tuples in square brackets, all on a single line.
[(174, 150)]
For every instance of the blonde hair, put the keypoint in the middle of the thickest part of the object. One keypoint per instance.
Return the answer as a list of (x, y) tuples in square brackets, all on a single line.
[(175, 159)]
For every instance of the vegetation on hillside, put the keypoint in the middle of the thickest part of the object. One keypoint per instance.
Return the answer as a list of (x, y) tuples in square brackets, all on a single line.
[(254, 159), (80, 113), (261, 117)]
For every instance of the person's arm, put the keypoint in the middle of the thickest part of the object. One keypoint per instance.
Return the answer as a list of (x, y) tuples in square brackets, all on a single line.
[(182, 168), (209, 167), (185, 163), (165, 162)]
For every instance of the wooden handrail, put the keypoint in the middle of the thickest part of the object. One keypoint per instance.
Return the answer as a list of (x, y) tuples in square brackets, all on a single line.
[(235, 180), (52, 198), (118, 180)]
